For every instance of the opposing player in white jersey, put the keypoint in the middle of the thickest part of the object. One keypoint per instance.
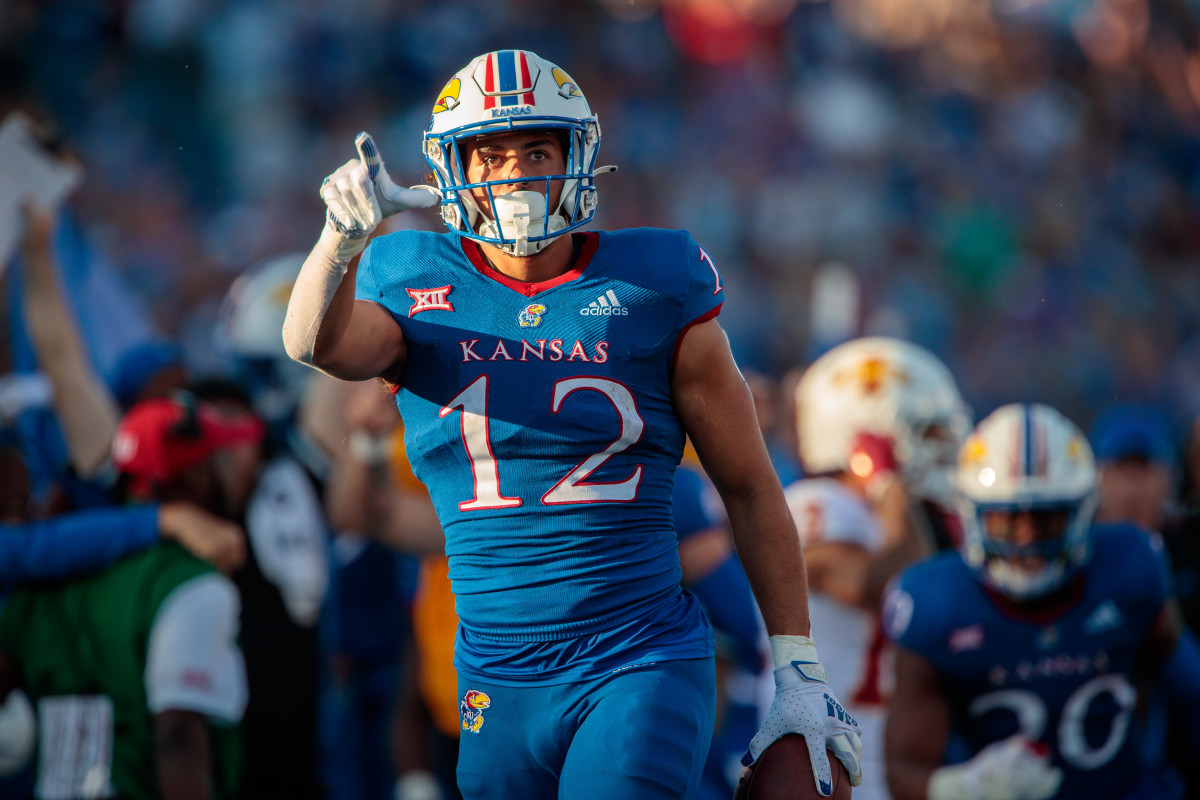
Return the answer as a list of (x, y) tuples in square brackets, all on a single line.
[(879, 421)]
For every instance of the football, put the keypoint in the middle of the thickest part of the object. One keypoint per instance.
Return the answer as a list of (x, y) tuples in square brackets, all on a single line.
[(783, 772)]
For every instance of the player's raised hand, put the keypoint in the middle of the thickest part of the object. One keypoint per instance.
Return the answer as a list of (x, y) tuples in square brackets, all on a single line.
[(392, 198), (360, 194), (805, 704)]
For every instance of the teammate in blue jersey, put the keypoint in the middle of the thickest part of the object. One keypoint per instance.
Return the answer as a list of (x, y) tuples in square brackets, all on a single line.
[(547, 378), (712, 572), (1019, 659)]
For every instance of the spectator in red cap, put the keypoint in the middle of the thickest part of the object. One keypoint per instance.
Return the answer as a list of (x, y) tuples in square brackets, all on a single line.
[(177, 445), (135, 672)]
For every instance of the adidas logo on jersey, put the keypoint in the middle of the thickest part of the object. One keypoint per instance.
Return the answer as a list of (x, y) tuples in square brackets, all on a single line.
[(606, 305), (1106, 617)]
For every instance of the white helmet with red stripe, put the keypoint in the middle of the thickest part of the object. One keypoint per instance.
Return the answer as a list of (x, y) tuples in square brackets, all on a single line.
[(509, 90), (887, 387), (1027, 458)]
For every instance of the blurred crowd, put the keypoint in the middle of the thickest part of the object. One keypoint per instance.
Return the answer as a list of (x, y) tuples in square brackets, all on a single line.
[(1012, 185)]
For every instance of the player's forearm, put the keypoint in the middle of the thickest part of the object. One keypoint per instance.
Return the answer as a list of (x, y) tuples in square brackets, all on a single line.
[(883, 567), (322, 300), (352, 494), (182, 756), (84, 406), (412, 525), (769, 548), (908, 780)]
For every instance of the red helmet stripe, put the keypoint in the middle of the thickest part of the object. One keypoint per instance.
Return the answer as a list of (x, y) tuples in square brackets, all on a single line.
[(489, 87), (523, 65)]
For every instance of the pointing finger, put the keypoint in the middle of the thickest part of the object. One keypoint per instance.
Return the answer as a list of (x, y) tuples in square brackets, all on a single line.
[(369, 154)]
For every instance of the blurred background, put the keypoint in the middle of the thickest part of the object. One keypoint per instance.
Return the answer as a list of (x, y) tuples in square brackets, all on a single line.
[(1013, 184)]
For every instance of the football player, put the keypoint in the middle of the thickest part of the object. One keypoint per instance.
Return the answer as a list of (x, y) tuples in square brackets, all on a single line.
[(1024, 650), (547, 378), (879, 423)]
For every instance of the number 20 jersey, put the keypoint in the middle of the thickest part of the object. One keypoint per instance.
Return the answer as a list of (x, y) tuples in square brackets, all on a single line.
[(1067, 680), (540, 418)]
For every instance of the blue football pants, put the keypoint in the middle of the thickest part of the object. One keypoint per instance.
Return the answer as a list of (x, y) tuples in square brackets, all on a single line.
[(639, 733)]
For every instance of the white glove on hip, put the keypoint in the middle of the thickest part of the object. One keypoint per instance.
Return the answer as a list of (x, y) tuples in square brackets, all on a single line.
[(805, 704), (1012, 769), (360, 194)]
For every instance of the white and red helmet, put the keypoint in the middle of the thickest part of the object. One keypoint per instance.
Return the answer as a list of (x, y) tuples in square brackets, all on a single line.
[(1026, 457), (509, 90), (886, 387)]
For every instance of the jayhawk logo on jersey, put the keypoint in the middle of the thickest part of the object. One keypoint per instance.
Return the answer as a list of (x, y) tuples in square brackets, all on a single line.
[(531, 315), (471, 709)]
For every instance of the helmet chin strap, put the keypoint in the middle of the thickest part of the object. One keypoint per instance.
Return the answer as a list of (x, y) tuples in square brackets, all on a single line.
[(517, 215)]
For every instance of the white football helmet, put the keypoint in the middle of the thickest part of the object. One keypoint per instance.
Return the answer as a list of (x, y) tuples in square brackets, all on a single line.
[(1026, 457), (887, 387), (509, 90), (249, 335)]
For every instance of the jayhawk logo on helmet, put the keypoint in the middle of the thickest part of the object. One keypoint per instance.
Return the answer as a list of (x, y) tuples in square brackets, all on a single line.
[(531, 315), (566, 86), (448, 98), (471, 709), (973, 451)]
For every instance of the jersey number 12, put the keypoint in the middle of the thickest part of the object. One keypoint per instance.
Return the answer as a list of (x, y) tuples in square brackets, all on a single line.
[(572, 487)]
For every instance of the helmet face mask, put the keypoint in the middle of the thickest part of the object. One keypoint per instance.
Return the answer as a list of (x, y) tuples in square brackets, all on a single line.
[(1028, 493), (513, 91)]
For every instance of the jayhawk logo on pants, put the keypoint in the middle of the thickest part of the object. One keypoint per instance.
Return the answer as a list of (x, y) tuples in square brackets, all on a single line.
[(471, 709)]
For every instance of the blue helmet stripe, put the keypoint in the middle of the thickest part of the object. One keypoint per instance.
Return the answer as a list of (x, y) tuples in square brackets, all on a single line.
[(506, 69)]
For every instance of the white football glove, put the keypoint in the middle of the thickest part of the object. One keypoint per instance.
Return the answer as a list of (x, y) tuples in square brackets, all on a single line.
[(1012, 769), (360, 194), (805, 704)]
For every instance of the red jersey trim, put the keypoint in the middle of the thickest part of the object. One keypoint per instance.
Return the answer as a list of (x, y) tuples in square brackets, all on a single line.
[(679, 340), (1040, 611), (471, 249)]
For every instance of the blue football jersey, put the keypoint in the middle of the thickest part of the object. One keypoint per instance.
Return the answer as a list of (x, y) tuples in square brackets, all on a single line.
[(540, 418), (1066, 680), (692, 504)]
